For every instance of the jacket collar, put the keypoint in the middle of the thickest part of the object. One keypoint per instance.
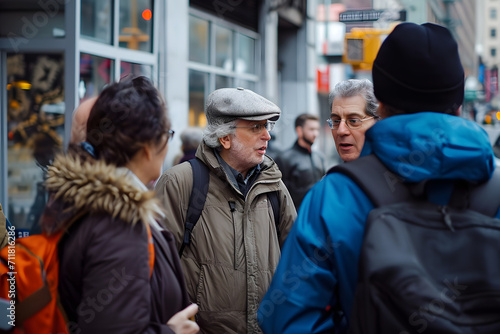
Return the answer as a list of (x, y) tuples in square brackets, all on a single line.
[(96, 187)]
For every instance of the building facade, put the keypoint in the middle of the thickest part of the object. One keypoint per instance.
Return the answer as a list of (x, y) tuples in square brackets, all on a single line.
[(56, 53), (488, 48)]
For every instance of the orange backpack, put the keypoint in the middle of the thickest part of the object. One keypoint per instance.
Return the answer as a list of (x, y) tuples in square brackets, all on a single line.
[(29, 277)]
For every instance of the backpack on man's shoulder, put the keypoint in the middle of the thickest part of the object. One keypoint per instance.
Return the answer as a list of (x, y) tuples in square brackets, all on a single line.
[(29, 277), (426, 268), (201, 180)]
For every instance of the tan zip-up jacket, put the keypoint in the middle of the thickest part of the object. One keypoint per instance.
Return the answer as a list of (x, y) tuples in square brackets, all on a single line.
[(233, 254)]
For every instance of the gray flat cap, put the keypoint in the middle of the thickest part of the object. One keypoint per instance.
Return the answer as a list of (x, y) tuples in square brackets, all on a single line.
[(239, 103)]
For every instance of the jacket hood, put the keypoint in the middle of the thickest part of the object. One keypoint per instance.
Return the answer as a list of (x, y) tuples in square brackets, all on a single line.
[(95, 187), (431, 145)]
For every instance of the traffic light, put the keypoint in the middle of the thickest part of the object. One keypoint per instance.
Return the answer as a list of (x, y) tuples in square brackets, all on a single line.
[(361, 46)]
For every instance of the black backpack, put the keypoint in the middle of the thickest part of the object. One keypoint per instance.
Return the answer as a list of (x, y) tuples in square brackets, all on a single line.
[(426, 268), (198, 196)]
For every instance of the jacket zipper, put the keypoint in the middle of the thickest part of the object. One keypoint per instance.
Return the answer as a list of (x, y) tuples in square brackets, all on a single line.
[(232, 207)]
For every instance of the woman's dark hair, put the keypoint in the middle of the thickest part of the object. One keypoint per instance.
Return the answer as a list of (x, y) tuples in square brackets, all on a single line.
[(125, 116)]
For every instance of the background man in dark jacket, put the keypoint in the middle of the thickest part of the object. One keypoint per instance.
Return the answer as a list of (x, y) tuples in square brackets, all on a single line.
[(302, 167)]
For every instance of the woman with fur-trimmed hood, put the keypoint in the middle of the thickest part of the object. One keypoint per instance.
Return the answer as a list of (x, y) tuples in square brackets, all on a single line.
[(99, 197)]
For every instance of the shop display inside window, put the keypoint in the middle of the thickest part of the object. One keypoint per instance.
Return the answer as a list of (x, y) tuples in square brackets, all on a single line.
[(35, 126)]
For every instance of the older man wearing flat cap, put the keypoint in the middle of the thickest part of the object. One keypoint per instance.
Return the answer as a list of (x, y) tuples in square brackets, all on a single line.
[(236, 243)]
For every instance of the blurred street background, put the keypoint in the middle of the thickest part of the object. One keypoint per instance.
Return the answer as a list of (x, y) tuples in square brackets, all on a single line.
[(56, 53)]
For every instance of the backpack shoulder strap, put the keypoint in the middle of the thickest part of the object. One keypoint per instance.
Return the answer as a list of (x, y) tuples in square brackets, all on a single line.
[(151, 250), (275, 205), (484, 197), (382, 186), (197, 199)]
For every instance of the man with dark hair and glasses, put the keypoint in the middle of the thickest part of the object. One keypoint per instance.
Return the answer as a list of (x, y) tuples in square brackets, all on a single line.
[(236, 243), (353, 108)]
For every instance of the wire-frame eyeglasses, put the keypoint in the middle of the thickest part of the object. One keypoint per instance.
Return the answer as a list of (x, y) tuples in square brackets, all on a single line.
[(352, 123), (257, 128)]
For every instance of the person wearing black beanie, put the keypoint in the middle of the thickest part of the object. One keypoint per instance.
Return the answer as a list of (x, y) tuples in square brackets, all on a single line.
[(418, 79), (418, 68)]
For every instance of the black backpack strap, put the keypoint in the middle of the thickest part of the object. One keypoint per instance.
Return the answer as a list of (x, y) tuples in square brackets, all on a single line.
[(380, 185), (384, 187), (485, 197), (275, 205), (197, 199)]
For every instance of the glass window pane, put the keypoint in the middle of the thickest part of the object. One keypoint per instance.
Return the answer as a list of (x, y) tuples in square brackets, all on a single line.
[(35, 126), (97, 20), (95, 73), (135, 69), (198, 83), (223, 48), (136, 24), (245, 84), (245, 63), (223, 82), (198, 40)]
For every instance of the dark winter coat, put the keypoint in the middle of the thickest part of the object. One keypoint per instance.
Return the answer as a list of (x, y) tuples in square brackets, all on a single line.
[(105, 284), (301, 170)]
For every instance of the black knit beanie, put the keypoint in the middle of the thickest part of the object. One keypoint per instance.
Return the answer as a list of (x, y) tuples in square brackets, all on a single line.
[(418, 69)]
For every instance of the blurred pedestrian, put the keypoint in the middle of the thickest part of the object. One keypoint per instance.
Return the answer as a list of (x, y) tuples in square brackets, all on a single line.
[(79, 120), (98, 195), (419, 81), (3, 229), (45, 148), (353, 108), (236, 243), (190, 138), (301, 167)]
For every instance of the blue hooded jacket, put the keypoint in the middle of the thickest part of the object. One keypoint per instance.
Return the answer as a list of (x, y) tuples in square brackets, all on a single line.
[(323, 247)]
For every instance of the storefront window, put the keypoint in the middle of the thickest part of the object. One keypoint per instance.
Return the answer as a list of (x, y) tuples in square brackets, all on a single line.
[(95, 73), (198, 40), (198, 83), (127, 68), (223, 82), (136, 24), (245, 84), (223, 48), (35, 126), (96, 20), (226, 60), (245, 63)]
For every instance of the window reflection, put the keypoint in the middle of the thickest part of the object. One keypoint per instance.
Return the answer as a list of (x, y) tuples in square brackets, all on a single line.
[(127, 68), (96, 20), (245, 84), (95, 73), (198, 83), (198, 40), (136, 24), (35, 125), (223, 82), (245, 63), (223, 48), (226, 55)]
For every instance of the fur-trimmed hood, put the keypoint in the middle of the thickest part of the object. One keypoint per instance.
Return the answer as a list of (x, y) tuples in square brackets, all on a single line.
[(96, 187)]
